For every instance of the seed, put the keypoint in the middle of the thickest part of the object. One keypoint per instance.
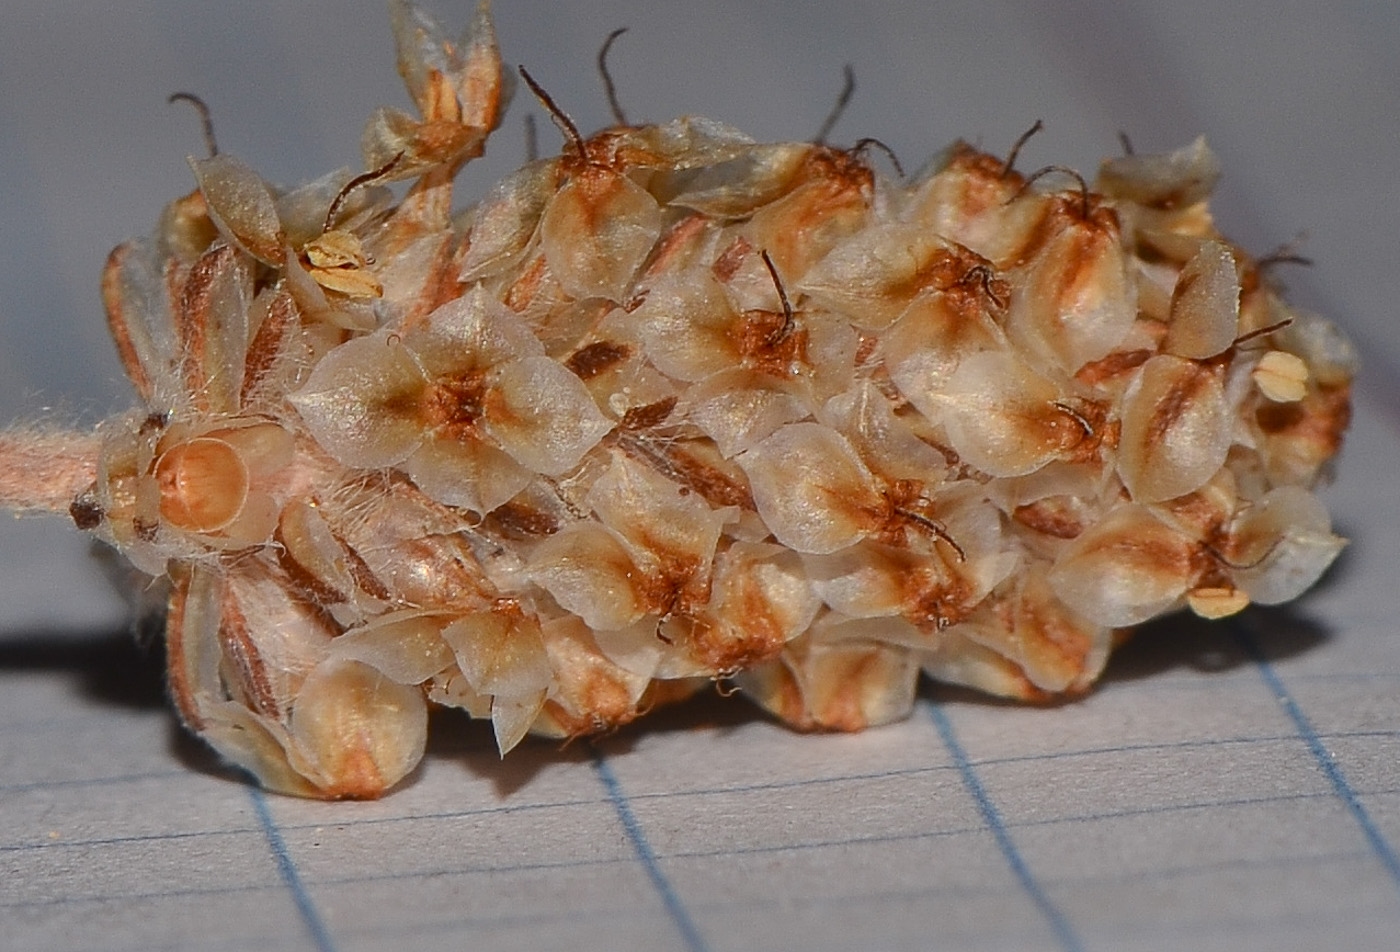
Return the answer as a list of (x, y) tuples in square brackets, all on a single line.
[(1281, 376), (1214, 603)]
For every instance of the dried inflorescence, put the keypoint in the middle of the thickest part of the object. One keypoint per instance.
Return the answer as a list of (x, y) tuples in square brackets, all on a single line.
[(676, 406)]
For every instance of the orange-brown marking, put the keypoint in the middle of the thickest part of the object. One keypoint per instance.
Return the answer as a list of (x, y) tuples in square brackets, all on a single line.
[(768, 344), (589, 361), (516, 520), (843, 709), (267, 343), (728, 263), (523, 290), (672, 460), (176, 660), (453, 405), (118, 321), (1174, 403), (1054, 516), (1114, 365), (648, 416), (240, 650), (192, 317), (1320, 419)]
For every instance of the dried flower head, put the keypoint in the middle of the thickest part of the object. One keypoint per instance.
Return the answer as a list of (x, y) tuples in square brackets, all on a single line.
[(675, 406)]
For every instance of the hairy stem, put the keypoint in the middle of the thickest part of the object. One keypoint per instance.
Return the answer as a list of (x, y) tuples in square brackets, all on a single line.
[(44, 470)]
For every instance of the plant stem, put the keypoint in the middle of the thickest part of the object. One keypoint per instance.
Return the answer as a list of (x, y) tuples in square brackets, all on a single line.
[(45, 470)]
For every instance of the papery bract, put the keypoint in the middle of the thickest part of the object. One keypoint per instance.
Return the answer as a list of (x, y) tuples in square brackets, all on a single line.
[(1176, 429)]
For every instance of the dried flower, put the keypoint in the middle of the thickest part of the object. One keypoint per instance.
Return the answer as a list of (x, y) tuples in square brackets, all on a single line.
[(675, 406)]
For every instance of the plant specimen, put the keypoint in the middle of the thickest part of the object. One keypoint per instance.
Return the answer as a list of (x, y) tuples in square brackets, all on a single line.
[(675, 406)]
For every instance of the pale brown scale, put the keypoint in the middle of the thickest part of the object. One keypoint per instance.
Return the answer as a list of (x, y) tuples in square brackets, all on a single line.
[(594, 695), (832, 202), (1058, 652), (1300, 436), (203, 485)]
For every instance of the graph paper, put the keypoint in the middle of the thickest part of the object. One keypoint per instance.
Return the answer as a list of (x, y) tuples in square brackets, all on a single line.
[(1229, 786)]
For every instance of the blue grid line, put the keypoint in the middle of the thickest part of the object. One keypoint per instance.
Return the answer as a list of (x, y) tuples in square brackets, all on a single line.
[(117, 840), (786, 905), (1291, 862), (693, 940), (728, 851), (320, 935), (748, 788), (1247, 740), (1380, 847), (102, 781), (869, 840), (1064, 932), (1206, 742), (126, 899)]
